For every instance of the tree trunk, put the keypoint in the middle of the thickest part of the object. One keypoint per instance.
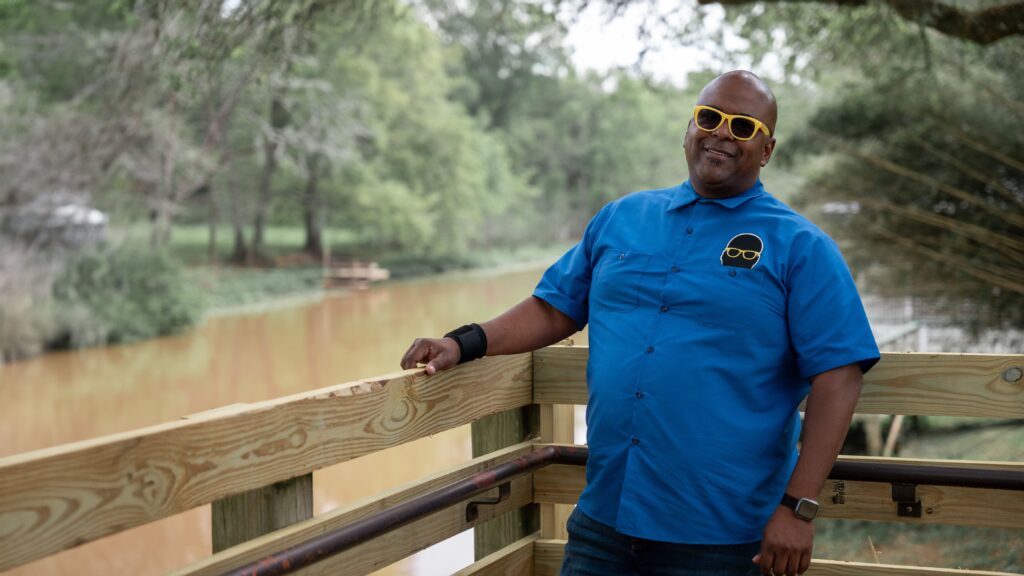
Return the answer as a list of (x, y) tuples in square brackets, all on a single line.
[(278, 120), (212, 217), (311, 207), (240, 253), (162, 218)]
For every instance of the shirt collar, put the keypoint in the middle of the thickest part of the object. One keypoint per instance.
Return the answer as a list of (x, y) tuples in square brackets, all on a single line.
[(686, 195)]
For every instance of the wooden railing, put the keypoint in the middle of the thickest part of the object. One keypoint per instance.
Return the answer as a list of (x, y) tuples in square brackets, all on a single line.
[(58, 498)]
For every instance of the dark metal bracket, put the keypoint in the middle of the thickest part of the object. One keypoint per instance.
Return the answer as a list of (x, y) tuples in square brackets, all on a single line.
[(905, 496), (472, 509)]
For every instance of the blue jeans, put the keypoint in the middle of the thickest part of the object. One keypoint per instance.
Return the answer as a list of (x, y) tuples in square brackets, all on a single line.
[(598, 550)]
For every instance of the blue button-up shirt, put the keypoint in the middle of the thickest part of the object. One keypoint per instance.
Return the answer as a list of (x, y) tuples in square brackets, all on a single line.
[(708, 318)]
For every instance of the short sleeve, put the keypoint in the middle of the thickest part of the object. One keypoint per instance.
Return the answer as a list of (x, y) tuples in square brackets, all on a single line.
[(828, 327), (566, 284)]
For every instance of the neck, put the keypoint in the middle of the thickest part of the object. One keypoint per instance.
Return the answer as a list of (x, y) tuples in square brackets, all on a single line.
[(723, 190)]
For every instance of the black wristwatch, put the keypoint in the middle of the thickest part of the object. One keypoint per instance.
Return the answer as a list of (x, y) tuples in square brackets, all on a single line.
[(804, 508)]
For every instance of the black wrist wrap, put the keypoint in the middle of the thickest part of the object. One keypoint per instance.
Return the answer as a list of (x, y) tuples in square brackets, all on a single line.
[(471, 340)]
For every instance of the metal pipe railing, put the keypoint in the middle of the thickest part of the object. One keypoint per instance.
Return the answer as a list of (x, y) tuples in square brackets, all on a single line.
[(929, 475), (360, 531)]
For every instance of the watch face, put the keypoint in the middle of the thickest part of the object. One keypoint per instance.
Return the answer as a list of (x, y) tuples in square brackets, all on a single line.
[(806, 509)]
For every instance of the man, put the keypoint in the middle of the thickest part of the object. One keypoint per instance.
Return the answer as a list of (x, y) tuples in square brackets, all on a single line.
[(713, 310)]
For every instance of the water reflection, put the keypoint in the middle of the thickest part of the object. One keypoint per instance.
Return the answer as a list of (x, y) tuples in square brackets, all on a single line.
[(70, 396)]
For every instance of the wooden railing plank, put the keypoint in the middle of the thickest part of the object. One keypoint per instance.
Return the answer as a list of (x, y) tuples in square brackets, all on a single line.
[(302, 531), (516, 559), (61, 497), (253, 513), (901, 383), (562, 484), (548, 556), (489, 434)]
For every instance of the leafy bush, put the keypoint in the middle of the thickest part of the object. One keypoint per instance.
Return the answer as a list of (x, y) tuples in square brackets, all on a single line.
[(122, 294), (26, 320)]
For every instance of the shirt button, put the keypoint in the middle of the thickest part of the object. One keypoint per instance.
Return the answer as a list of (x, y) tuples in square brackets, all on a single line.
[(650, 349), (635, 440), (689, 230), (675, 268), (639, 394), (622, 256), (664, 308), (732, 272)]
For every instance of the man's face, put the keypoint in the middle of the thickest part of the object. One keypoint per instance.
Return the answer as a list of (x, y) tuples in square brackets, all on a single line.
[(720, 165)]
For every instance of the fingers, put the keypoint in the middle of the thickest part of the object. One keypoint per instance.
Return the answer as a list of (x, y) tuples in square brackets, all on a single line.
[(785, 564), (805, 563), (416, 353), (788, 564), (437, 354)]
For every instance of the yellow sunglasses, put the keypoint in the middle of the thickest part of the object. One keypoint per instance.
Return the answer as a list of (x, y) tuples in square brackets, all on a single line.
[(741, 127)]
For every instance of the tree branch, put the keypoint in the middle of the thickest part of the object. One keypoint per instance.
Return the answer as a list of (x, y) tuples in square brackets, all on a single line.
[(980, 26)]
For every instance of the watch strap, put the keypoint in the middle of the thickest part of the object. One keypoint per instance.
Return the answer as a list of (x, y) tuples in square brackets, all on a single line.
[(797, 505), (790, 501)]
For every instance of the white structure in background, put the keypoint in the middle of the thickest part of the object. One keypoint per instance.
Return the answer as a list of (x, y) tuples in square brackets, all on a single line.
[(50, 224)]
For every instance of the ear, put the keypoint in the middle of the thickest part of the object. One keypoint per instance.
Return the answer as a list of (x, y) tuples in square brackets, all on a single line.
[(766, 153)]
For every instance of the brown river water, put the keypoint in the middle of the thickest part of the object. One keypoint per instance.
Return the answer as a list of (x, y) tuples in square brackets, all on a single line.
[(249, 357)]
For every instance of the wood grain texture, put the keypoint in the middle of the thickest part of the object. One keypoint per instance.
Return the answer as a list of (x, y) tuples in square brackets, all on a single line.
[(515, 559), (901, 383), (253, 513), (562, 484), (297, 533), (61, 497), (557, 425), (494, 433), (548, 555)]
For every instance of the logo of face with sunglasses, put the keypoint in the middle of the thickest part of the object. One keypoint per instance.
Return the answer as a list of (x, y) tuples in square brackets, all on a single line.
[(743, 251)]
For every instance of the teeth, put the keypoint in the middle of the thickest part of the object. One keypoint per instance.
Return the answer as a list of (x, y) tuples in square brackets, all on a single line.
[(717, 153)]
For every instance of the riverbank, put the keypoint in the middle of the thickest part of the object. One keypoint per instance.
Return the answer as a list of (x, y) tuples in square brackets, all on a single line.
[(239, 290)]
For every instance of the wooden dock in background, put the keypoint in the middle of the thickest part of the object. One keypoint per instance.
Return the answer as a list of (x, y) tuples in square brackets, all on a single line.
[(354, 274), (254, 463)]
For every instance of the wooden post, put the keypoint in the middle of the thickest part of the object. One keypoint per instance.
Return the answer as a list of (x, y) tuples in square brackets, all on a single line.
[(557, 424), (494, 433), (245, 516)]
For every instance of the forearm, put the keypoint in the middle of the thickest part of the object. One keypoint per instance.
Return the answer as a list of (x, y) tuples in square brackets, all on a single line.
[(830, 407), (529, 325)]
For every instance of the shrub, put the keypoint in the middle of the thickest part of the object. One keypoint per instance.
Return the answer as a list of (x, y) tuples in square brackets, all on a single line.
[(26, 320), (122, 294)]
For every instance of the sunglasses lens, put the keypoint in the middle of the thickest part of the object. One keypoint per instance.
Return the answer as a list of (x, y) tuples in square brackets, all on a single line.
[(742, 128), (708, 119)]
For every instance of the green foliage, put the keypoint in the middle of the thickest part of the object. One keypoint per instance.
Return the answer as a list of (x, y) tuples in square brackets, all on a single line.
[(934, 163), (26, 310), (122, 294)]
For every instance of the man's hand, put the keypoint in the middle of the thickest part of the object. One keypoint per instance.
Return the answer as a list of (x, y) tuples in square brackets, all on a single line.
[(786, 546), (436, 353)]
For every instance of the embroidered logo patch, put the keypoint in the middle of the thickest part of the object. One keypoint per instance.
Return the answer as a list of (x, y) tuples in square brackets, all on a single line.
[(743, 251)]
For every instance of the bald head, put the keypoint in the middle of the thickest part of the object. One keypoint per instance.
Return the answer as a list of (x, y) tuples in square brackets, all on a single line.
[(749, 89), (720, 164)]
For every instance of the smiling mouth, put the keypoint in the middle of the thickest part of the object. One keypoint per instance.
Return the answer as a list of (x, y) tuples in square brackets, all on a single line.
[(716, 153)]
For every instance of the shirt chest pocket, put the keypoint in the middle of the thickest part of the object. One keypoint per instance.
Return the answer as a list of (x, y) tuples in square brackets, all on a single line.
[(730, 297), (616, 285)]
